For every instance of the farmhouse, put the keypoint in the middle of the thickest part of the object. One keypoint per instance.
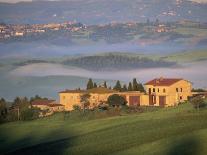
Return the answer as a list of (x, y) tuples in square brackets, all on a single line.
[(159, 92), (49, 106), (168, 92)]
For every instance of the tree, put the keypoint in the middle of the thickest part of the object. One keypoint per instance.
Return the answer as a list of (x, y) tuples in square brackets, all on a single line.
[(3, 109), (135, 85), (24, 109), (116, 100), (130, 87), (95, 85), (85, 100), (118, 86), (76, 107), (90, 84), (198, 102), (37, 97), (141, 88), (124, 88), (30, 113), (105, 85)]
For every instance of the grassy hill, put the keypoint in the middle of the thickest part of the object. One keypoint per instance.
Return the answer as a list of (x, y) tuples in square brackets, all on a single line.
[(192, 56), (169, 131)]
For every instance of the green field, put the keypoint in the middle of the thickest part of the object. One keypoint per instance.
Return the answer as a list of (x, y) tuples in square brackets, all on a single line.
[(170, 131), (190, 56)]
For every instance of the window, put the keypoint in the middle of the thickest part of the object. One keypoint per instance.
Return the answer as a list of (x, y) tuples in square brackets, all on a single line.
[(164, 90), (181, 97), (158, 90), (149, 90), (176, 89), (154, 90), (181, 89)]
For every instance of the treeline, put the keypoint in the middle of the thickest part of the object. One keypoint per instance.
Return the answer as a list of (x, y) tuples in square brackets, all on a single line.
[(115, 62), (19, 109), (132, 86)]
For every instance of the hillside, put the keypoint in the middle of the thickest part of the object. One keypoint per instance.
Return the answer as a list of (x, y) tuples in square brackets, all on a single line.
[(115, 61), (101, 11), (190, 56), (163, 132)]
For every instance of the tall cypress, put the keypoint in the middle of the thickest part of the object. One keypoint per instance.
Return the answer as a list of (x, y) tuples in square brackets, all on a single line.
[(95, 85), (90, 84), (124, 88), (118, 86), (141, 88), (105, 85), (135, 85), (130, 87)]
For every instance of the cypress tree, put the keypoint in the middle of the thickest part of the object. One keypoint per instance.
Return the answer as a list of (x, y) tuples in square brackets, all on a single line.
[(95, 85), (141, 88), (105, 85), (130, 86), (135, 85), (90, 84), (124, 88), (118, 86)]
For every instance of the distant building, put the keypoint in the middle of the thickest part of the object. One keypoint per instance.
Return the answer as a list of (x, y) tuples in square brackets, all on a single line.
[(19, 33), (162, 28), (159, 92), (47, 106)]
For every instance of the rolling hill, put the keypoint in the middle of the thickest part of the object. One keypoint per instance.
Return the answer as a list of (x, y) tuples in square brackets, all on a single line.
[(102, 11), (167, 131)]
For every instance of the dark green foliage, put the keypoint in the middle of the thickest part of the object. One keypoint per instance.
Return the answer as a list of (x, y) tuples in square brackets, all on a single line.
[(198, 102), (3, 110), (198, 90), (135, 85), (118, 86), (130, 87), (105, 85), (90, 84), (112, 61), (116, 100), (124, 88), (94, 85), (22, 109), (76, 107), (29, 113), (140, 87), (84, 99), (37, 97)]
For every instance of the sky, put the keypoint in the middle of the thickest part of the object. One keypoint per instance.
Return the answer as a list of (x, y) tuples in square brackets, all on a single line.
[(14, 1)]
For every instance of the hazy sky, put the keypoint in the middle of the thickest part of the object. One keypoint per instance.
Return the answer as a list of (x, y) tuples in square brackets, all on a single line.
[(14, 1)]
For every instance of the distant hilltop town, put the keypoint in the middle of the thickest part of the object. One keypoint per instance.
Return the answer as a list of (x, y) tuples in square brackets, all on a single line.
[(20, 30), (12, 32)]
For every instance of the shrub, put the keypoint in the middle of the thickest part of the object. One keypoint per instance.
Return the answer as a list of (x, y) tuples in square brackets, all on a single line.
[(29, 113), (76, 107), (116, 100), (198, 102)]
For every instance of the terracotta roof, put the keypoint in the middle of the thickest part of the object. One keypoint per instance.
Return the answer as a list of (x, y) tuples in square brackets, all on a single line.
[(162, 82), (55, 105), (42, 102), (73, 91), (99, 90)]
